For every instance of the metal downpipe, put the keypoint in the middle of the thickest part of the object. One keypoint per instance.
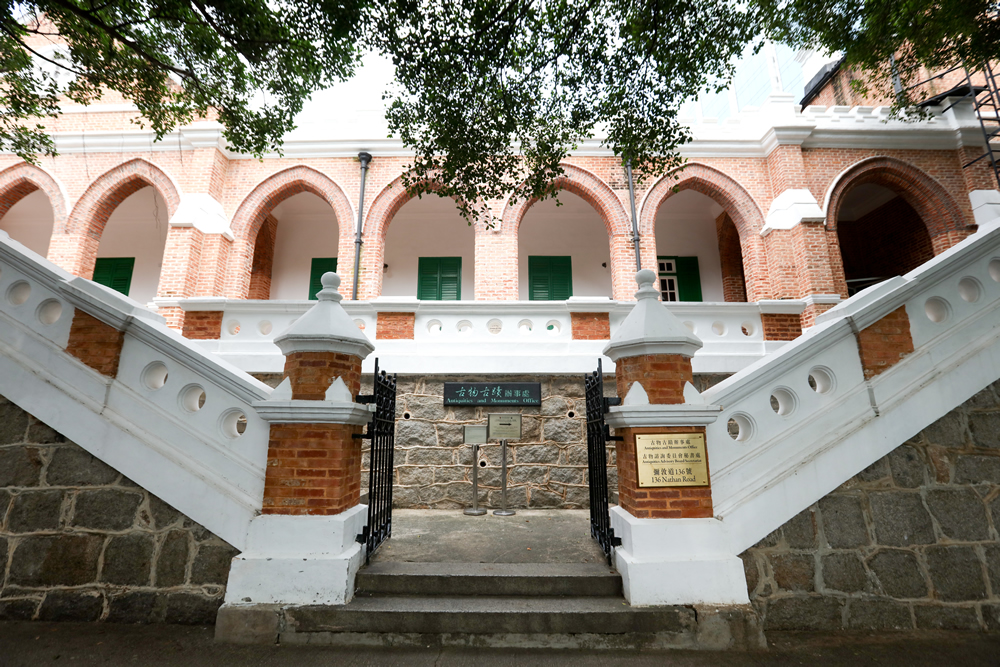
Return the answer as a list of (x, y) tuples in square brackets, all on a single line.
[(364, 158), (635, 222)]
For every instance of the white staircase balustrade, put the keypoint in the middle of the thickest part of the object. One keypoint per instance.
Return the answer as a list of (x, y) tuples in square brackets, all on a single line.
[(799, 423), (175, 420)]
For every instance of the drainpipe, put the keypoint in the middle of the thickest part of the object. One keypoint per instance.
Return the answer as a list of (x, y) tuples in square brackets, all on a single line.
[(635, 222), (365, 158)]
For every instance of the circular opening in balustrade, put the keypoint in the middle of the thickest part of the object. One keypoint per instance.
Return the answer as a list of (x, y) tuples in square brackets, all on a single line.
[(154, 376), (233, 327), (18, 293), (553, 327), (969, 289), (360, 324), (995, 270), (524, 327), (464, 327), (265, 327), (783, 401), (748, 329), (233, 423), (494, 326), (821, 380), (192, 398), (49, 312), (434, 327), (718, 328), (740, 427), (937, 309), (690, 325)]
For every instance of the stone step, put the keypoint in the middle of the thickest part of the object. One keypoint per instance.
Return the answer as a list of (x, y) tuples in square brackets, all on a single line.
[(489, 616), (489, 579)]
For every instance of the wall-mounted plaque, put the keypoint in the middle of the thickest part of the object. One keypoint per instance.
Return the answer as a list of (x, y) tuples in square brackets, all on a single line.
[(493, 393), (475, 435), (504, 427), (671, 459)]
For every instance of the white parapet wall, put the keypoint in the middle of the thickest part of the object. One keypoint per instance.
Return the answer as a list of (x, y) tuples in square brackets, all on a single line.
[(175, 419), (487, 337)]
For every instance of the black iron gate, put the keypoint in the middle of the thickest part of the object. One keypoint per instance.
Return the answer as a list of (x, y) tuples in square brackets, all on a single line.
[(382, 434), (598, 436)]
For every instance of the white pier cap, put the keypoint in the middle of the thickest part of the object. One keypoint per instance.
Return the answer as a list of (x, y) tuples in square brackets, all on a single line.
[(651, 328), (326, 327)]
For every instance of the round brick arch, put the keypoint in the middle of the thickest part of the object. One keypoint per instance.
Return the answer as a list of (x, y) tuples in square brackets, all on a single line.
[(270, 192), (21, 180), (74, 247), (735, 201), (932, 202)]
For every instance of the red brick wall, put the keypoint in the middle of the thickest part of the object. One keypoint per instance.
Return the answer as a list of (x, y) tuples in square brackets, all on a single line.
[(590, 326), (689, 502), (734, 282), (312, 469), (95, 343), (312, 373), (889, 241), (395, 326), (661, 375), (883, 345), (202, 325), (781, 326), (263, 260)]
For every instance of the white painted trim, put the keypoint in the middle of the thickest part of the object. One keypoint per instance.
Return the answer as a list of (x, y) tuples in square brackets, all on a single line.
[(312, 412)]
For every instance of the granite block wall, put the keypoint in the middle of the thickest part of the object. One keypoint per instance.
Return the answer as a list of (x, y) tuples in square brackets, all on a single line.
[(911, 542), (79, 541)]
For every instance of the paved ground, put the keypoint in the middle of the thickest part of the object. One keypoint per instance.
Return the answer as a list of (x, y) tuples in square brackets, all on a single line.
[(530, 536), (31, 644)]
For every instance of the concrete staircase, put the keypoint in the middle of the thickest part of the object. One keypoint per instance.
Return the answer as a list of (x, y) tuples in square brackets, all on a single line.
[(531, 605)]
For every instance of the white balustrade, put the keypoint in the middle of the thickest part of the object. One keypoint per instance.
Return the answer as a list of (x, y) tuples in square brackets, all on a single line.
[(489, 336)]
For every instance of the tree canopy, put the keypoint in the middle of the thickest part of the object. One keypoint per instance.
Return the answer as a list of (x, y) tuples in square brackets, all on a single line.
[(490, 94)]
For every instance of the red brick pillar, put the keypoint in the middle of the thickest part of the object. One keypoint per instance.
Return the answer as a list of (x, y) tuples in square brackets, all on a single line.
[(313, 458), (652, 352)]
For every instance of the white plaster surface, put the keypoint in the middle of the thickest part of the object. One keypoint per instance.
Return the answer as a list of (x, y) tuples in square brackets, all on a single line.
[(29, 221), (138, 228), (685, 227), (575, 229), (307, 228)]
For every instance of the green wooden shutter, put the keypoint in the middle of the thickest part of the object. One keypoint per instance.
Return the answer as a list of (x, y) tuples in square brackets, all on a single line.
[(439, 278), (114, 272), (549, 278), (688, 279), (320, 265)]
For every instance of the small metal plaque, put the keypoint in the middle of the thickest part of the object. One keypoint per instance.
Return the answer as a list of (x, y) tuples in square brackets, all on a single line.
[(671, 459), (493, 393), (505, 427), (475, 435)]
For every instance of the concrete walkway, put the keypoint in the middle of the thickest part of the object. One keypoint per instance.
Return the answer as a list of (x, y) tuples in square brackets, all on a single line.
[(530, 536), (34, 644)]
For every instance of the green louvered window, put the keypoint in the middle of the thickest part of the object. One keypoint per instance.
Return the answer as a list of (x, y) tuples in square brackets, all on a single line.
[(320, 265), (680, 279), (439, 278), (115, 272), (549, 278)]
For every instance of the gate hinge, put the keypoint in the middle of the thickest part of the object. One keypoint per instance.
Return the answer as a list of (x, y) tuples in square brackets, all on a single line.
[(610, 401), (362, 536), (365, 399)]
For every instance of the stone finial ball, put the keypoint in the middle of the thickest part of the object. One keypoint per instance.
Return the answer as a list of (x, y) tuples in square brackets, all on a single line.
[(330, 280), (645, 277)]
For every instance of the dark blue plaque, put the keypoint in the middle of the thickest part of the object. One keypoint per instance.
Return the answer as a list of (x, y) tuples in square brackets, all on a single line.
[(493, 393)]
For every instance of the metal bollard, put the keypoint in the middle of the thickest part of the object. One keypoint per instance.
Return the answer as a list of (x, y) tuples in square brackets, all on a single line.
[(475, 509), (504, 511)]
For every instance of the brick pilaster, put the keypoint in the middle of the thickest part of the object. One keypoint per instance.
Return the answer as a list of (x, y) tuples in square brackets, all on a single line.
[(781, 326), (95, 343), (662, 376), (202, 325), (685, 502), (590, 326), (883, 344), (395, 326), (312, 373)]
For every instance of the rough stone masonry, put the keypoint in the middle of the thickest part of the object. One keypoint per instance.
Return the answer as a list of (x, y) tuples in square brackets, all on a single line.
[(81, 542)]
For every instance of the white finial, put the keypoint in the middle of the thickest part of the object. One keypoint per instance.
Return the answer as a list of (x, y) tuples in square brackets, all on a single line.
[(330, 282), (646, 278)]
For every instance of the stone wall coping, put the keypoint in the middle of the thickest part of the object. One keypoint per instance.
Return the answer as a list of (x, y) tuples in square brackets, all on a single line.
[(652, 416), (312, 412), (783, 306)]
